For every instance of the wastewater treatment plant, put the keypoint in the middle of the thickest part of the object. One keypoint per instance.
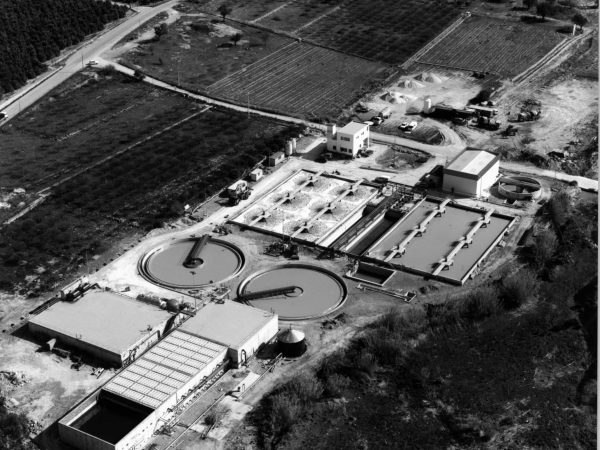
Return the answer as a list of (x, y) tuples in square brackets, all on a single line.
[(298, 224)]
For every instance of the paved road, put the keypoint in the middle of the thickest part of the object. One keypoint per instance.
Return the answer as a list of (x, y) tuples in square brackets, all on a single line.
[(18, 102)]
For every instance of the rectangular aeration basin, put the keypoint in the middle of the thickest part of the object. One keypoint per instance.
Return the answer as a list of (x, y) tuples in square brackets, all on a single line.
[(308, 206), (423, 241)]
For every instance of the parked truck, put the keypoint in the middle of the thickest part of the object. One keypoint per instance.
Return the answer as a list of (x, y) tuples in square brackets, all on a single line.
[(238, 191), (385, 113), (488, 123), (529, 115)]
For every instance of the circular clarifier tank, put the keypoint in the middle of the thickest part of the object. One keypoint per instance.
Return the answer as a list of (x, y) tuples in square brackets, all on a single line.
[(192, 263), (294, 291)]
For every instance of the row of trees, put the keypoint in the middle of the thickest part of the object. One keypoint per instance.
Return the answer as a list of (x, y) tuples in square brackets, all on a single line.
[(33, 31), (545, 8)]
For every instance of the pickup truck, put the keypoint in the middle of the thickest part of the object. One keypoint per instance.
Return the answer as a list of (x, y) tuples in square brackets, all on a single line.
[(377, 120)]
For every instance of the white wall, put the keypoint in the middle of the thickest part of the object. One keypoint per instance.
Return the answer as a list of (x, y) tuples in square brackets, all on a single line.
[(461, 185), (264, 334), (69, 341), (489, 178)]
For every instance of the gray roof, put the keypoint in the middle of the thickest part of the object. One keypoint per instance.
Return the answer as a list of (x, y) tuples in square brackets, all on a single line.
[(352, 128), (229, 323), (107, 320), (472, 163)]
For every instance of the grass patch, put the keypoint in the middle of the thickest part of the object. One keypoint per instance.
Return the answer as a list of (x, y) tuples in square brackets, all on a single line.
[(196, 52)]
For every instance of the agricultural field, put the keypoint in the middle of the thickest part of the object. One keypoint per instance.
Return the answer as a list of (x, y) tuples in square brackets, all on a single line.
[(133, 192), (500, 47), (240, 9), (301, 79), (197, 52), (384, 30), (297, 14), (89, 117)]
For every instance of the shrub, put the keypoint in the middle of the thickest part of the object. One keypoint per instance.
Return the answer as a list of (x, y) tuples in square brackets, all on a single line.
[(407, 323), (518, 288), (479, 305), (107, 70), (203, 27), (560, 207), (543, 248), (387, 348), (304, 387), (284, 411), (335, 385), (214, 416)]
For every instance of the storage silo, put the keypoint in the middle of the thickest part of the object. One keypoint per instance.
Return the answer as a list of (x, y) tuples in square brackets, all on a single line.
[(289, 149), (292, 343)]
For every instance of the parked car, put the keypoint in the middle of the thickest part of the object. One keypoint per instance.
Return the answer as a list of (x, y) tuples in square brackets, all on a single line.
[(3, 116), (381, 180), (325, 157), (92, 62), (360, 108), (377, 120), (411, 126), (403, 126)]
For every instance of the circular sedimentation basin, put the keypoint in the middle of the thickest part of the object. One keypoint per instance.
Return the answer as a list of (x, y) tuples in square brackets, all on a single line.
[(169, 265), (520, 188), (317, 291)]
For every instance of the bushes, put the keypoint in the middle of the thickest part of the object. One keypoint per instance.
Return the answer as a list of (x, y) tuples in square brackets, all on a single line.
[(335, 385), (214, 416), (543, 248), (304, 388), (518, 288), (479, 305), (284, 412), (560, 207)]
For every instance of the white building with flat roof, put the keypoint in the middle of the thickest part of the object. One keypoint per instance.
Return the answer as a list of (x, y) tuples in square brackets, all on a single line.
[(109, 326), (472, 172), (349, 139), (242, 328), (126, 412)]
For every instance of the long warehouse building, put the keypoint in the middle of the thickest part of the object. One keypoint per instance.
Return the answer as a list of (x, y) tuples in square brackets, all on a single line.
[(126, 411)]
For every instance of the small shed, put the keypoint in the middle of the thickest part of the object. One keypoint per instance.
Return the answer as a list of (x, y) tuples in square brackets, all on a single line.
[(256, 174), (276, 158), (292, 343)]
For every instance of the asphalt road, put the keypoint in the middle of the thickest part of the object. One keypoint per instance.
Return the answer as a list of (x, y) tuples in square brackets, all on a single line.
[(88, 51)]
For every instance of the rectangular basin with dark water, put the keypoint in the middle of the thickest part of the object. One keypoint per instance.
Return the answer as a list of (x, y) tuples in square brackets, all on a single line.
[(109, 420), (369, 239), (423, 253)]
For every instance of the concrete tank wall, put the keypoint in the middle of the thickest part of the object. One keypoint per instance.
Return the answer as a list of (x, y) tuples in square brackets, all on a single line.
[(77, 438)]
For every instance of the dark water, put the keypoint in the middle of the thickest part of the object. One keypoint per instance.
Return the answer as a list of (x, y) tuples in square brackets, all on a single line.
[(109, 421)]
